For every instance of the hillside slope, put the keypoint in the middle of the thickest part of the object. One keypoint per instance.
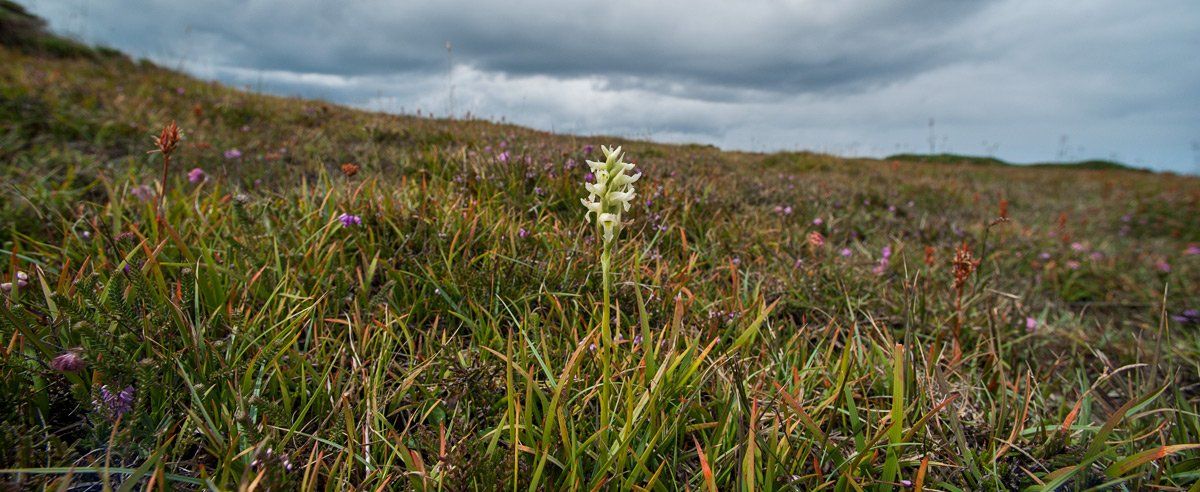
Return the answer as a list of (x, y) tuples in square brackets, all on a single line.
[(430, 316)]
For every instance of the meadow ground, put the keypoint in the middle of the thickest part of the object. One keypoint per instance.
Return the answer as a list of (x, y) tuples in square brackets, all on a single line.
[(430, 317)]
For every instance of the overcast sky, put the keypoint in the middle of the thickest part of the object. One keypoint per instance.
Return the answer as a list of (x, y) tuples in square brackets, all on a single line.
[(1024, 80)]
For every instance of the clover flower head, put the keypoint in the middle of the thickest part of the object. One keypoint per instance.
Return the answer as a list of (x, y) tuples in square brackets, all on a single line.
[(69, 361), (196, 175), (611, 191)]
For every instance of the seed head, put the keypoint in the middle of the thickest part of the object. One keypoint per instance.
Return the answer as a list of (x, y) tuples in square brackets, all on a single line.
[(168, 139), (815, 240), (964, 265)]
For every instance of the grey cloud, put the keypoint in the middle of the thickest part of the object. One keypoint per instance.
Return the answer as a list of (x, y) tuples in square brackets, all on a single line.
[(1120, 78), (720, 44)]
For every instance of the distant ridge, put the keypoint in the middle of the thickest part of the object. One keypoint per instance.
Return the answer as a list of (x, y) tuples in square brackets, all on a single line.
[(1092, 164), (27, 32)]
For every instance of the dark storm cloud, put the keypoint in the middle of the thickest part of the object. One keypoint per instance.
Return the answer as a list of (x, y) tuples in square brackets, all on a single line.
[(724, 44), (1119, 79), (777, 47)]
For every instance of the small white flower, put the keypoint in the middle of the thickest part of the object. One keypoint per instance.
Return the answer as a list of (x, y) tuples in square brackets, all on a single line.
[(621, 179), (623, 197), (593, 207), (609, 222), (597, 188)]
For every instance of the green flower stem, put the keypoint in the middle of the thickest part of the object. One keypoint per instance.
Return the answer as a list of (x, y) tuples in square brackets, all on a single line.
[(605, 347)]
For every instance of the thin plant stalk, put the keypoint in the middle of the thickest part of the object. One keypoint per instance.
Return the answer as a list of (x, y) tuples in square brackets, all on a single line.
[(606, 345), (165, 144)]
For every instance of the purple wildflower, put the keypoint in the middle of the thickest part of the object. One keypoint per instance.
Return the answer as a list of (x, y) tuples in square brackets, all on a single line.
[(587, 149), (817, 221), (845, 252), (1078, 247), (348, 220), (270, 458), (1031, 323), (523, 233), (885, 260), (1188, 317), (1192, 250), (589, 177), (22, 280), (117, 404), (503, 157), (69, 361), (1163, 266), (196, 175), (1044, 256), (233, 154), (142, 192)]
